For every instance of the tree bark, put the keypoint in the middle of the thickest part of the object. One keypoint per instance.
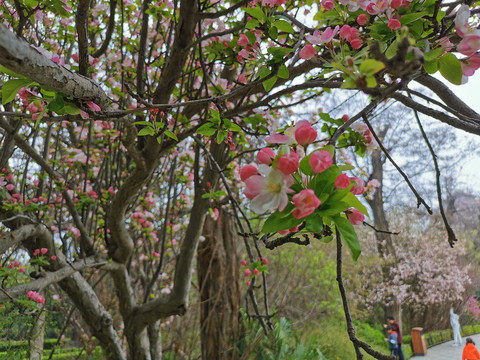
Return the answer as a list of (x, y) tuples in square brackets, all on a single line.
[(36, 340), (218, 269)]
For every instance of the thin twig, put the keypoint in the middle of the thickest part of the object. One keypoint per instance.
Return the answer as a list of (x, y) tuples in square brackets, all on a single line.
[(380, 231), (451, 235), (420, 200)]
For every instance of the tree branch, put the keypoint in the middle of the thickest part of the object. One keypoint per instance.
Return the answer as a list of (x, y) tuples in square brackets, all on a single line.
[(18, 56)]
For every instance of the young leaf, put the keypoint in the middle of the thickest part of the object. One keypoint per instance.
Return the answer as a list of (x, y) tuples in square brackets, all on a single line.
[(207, 129), (12, 87), (256, 13), (349, 235), (171, 135), (370, 67), (314, 223), (450, 68), (268, 84), (146, 131), (281, 221), (283, 25), (283, 72)]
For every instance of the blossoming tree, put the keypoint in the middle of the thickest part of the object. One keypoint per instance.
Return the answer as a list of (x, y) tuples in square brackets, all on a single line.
[(121, 123)]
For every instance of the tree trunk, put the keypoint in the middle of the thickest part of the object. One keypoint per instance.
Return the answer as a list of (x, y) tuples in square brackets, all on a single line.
[(218, 271), (36, 340)]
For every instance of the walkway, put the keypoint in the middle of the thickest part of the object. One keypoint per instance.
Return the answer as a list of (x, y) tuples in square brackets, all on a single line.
[(446, 351)]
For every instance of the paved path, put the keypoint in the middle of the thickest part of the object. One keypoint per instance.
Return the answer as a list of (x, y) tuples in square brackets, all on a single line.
[(446, 351)]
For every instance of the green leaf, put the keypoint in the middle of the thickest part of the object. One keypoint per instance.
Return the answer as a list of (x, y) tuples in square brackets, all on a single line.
[(221, 135), (326, 239), (146, 131), (279, 52), (215, 116), (371, 66), (431, 67), (281, 221), (314, 223), (207, 129), (450, 68), (371, 82), (431, 55), (12, 87), (58, 5), (283, 72), (9, 72), (255, 12), (252, 24), (349, 235), (332, 208), (392, 49), (268, 84), (273, 32), (31, 3), (283, 25), (305, 166), (353, 201), (56, 104), (264, 71), (71, 109), (409, 18), (145, 123), (171, 135)]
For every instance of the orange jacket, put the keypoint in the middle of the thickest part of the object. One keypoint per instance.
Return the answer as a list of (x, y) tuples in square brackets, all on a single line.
[(470, 352)]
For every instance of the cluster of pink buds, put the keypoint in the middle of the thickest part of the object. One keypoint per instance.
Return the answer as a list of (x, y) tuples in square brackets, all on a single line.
[(257, 266), (35, 296)]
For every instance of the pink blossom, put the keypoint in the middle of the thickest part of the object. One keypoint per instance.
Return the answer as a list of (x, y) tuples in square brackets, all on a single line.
[(328, 4), (469, 45), (395, 4), (242, 79), (247, 272), (93, 106), (273, 195), (254, 186), (43, 251), (243, 40), (342, 181), (247, 171), (307, 52), (10, 187), (305, 202), (36, 252), (329, 34), (470, 65), (243, 262), (354, 216), (358, 187), (266, 156), (305, 134), (264, 261), (320, 161), (394, 24), (362, 19), (255, 271), (277, 139), (54, 257), (461, 19), (288, 163), (356, 43)]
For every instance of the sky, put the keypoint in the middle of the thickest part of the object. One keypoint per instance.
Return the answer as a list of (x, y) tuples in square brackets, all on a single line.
[(470, 94)]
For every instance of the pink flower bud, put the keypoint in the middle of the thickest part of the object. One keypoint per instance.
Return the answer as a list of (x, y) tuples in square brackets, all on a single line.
[(247, 171), (305, 134), (354, 216), (243, 262), (320, 161), (266, 156), (307, 52), (54, 257), (342, 182), (10, 187), (247, 272), (362, 19), (306, 202), (264, 261), (36, 252), (288, 163), (394, 24), (359, 186), (43, 251), (255, 271)]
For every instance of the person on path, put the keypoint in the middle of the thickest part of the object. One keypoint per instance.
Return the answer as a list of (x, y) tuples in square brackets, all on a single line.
[(392, 341), (457, 337), (470, 352), (395, 327)]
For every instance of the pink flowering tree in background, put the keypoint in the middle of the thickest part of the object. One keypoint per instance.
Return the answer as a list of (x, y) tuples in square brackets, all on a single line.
[(127, 129)]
